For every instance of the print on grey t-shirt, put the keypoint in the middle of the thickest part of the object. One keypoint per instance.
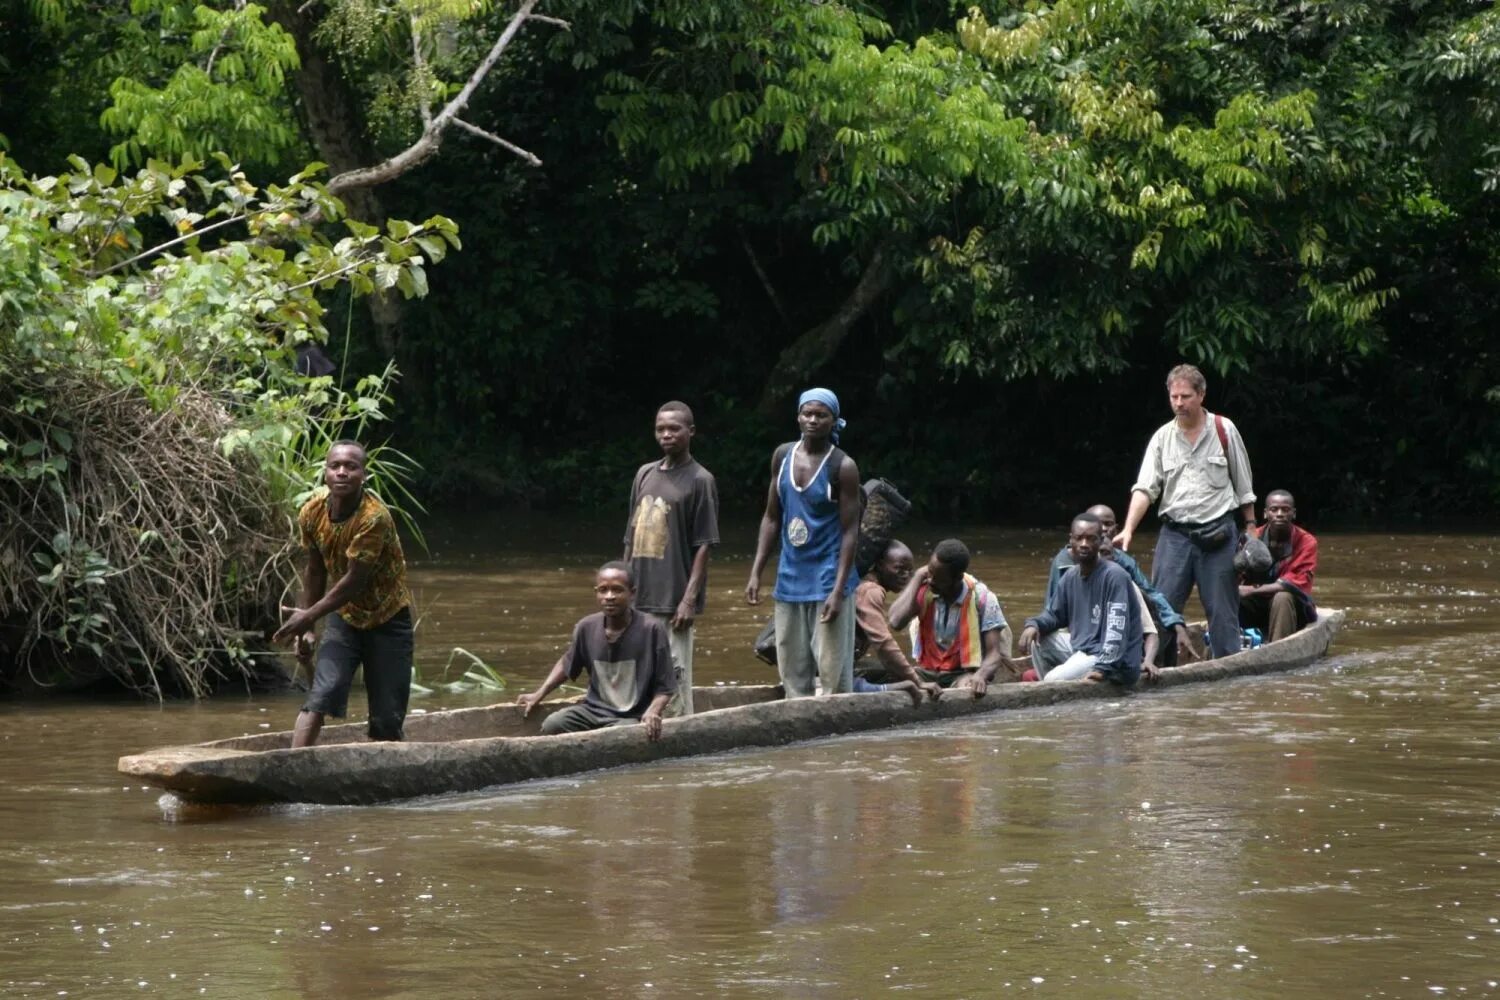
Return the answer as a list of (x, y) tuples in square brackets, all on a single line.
[(615, 683), (672, 512)]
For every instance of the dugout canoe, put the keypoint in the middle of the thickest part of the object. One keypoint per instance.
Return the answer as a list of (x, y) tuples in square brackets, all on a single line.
[(472, 748)]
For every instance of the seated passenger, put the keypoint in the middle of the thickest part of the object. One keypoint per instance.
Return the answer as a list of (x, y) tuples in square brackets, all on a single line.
[(960, 634), (1094, 601), (1161, 611), (872, 630), (1281, 603), (628, 659)]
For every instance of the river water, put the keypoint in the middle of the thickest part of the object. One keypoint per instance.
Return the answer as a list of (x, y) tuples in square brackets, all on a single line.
[(1334, 832)]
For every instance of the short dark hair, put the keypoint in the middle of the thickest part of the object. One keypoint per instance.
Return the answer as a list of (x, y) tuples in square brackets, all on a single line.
[(617, 566), (676, 406), (1282, 493), (953, 554), (1086, 518), (364, 456)]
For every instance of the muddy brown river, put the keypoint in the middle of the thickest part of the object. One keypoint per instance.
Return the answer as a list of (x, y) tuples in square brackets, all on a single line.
[(1329, 833)]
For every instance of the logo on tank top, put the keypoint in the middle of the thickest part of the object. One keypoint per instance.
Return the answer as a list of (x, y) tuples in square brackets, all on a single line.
[(796, 532)]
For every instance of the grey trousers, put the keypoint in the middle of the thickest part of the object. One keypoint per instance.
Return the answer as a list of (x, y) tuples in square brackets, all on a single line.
[(1179, 564), (808, 650), (682, 664), (1052, 650), (581, 718)]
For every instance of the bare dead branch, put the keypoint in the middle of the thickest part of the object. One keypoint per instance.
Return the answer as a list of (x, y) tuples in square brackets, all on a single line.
[(219, 45), (428, 143), (421, 66), (765, 279), (524, 154), (559, 22)]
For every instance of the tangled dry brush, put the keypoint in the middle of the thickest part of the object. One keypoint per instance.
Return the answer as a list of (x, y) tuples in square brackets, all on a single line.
[(131, 547)]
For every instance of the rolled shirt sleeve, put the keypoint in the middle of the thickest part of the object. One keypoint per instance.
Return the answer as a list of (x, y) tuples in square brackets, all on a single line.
[(1150, 477), (1240, 477)]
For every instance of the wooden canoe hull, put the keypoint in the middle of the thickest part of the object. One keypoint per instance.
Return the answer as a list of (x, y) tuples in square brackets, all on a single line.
[(469, 749)]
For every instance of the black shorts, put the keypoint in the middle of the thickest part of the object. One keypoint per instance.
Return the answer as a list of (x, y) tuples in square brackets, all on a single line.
[(385, 652)]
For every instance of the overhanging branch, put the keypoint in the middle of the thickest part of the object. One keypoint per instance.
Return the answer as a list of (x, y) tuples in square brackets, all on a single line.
[(431, 139)]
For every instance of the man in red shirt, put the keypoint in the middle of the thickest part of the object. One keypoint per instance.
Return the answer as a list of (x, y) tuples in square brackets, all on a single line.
[(1283, 604)]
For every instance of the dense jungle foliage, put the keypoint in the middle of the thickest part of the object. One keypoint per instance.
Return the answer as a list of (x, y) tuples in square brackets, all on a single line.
[(990, 228)]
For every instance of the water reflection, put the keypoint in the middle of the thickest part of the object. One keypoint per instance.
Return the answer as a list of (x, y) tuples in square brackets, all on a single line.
[(1326, 833)]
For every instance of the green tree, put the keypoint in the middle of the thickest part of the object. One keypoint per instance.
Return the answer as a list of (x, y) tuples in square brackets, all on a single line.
[(153, 428)]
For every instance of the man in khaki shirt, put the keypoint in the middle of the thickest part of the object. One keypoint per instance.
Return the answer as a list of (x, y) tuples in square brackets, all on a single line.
[(1197, 472)]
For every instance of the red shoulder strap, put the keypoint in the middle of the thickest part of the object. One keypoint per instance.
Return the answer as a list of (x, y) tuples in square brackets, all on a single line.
[(1223, 437)]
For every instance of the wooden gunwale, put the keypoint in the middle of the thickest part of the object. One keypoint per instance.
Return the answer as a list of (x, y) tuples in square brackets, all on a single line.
[(469, 749)]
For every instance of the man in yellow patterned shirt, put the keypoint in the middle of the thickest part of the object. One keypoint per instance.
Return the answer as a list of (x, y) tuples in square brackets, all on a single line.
[(351, 538)]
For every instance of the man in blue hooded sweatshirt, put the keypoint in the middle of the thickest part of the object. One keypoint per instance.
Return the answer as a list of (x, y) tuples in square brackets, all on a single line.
[(813, 505)]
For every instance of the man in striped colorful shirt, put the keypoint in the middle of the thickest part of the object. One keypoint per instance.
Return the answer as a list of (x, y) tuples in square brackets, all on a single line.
[(961, 633)]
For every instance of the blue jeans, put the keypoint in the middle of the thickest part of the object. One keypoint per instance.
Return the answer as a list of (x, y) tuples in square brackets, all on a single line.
[(1179, 564)]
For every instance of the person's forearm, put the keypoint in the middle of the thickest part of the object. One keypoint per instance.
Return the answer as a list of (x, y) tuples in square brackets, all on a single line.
[(991, 662), (1045, 623), (846, 559), (1267, 590), (890, 656), (314, 583), (554, 678), (904, 607), (658, 704), (1138, 503), (697, 575), (763, 542), (1247, 514), (350, 585), (1152, 645)]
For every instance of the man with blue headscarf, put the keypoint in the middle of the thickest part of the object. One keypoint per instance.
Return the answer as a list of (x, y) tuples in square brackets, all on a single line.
[(813, 504)]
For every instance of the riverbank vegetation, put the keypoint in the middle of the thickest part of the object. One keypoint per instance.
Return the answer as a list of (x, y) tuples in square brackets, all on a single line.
[(990, 228), (155, 434)]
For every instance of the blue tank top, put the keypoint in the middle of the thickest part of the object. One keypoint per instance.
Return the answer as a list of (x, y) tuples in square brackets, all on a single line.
[(810, 535)]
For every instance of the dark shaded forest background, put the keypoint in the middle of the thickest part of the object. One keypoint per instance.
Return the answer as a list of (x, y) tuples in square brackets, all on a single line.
[(650, 257)]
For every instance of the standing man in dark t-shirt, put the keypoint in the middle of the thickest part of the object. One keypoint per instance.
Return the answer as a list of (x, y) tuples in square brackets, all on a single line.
[(673, 526), (627, 659)]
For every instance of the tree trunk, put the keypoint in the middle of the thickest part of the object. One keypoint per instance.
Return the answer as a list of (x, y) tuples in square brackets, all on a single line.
[(330, 113), (816, 346)]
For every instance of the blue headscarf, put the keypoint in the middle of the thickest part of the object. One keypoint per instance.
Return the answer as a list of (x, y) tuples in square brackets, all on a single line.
[(828, 399)]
